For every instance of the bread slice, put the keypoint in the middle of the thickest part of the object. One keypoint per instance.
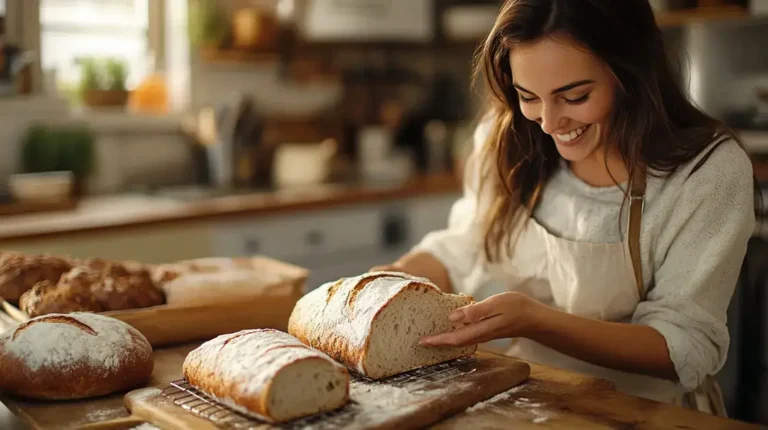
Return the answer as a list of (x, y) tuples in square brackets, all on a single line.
[(373, 323), (267, 374)]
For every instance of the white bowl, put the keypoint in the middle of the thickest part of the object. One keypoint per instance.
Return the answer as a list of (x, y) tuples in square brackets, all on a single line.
[(41, 187)]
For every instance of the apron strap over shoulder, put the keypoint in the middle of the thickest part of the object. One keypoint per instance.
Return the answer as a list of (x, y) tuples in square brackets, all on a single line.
[(636, 205), (708, 397)]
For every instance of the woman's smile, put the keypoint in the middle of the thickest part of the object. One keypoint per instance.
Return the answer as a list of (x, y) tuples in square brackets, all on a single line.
[(573, 137)]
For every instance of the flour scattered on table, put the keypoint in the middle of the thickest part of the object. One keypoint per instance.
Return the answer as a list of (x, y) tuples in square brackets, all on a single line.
[(495, 399), (374, 404), (145, 426), (99, 415)]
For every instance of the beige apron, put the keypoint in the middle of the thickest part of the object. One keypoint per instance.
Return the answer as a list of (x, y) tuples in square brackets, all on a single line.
[(595, 280)]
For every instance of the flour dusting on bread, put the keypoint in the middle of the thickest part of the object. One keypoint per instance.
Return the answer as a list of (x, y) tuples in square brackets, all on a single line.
[(372, 323), (267, 374), (58, 341)]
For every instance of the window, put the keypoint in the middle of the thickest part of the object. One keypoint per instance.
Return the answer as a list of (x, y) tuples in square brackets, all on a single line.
[(72, 29)]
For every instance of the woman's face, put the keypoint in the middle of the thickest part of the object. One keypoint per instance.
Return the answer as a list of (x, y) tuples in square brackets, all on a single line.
[(568, 91)]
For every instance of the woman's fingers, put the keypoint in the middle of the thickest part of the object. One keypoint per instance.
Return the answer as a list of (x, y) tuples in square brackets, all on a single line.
[(472, 334), (477, 311)]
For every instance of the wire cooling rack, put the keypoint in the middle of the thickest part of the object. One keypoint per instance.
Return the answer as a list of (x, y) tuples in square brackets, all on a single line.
[(184, 395)]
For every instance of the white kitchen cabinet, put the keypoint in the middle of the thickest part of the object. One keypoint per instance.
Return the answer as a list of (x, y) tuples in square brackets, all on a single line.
[(298, 236), (428, 214), (335, 242)]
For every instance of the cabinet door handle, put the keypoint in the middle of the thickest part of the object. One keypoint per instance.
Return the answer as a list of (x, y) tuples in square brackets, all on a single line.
[(314, 238), (252, 246)]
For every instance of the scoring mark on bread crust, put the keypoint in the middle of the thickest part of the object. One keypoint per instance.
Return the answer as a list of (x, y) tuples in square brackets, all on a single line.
[(332, 290), (254, 331), (357, 288), (235, 336), (56, 319), (362, 283)]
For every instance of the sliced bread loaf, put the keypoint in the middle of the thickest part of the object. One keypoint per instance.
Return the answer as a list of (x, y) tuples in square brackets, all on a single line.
[(372, 323), (267, 374)]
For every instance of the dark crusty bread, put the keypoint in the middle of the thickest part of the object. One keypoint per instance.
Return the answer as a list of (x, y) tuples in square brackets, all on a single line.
[(20, 272), (267, 374), (373, 323), (124, 285), (94, 285), (74, 356), (62, 298)]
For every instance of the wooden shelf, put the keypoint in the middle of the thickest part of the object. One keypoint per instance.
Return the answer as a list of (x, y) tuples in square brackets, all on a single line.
[(664, 20), (702, 14), (237, 56)]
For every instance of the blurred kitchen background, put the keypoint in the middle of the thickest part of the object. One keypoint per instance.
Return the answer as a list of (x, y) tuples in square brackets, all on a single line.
[(327, 133)]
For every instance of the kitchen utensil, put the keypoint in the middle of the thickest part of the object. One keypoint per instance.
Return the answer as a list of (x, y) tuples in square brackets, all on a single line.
[(438, 147)]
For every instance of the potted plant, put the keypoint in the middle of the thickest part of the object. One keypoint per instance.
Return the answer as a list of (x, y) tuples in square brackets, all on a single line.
[(208, 25), (103, 82), (59, 148)]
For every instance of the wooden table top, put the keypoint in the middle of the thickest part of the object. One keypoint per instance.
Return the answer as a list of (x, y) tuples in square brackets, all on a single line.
[(551, 398), (97, 214)]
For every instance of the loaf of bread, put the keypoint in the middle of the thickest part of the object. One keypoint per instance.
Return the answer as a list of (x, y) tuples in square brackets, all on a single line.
[(20, 272), (93, 286), (209, 280), (65, 297), (267, 374), (122, 285), (373, 323), (74, 356), (165, 273)]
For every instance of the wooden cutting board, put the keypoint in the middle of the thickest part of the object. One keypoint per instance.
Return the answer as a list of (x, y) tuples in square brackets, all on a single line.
[(413, 400)]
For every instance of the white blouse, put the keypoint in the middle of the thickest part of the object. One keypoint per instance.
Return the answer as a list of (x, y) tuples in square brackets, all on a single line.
[(694, 238)]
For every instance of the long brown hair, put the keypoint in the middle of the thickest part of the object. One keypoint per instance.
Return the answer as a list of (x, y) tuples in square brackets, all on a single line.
[(653, 124)]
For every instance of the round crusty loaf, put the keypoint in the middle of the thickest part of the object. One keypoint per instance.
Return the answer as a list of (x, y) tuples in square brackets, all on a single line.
[(73, 356)]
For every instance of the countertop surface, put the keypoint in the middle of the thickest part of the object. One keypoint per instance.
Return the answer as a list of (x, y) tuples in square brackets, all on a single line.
[(95, 214), (550, 398)]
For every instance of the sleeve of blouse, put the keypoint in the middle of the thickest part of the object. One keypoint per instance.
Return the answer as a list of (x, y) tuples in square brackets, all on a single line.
[(707, 239), (459, 245)]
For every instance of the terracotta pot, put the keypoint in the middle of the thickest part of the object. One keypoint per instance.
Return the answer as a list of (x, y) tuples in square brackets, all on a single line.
[(253, 28), (105, 98)]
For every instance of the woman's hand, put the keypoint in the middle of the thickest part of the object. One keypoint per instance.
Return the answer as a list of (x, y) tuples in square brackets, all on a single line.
[(500, 316), (621, 346)]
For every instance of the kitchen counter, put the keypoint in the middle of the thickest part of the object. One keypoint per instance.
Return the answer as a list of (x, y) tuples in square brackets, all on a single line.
[(550, 398), (109, 213)]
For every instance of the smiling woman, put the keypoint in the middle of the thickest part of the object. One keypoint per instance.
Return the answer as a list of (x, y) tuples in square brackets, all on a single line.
[(574, 113), (615, 212)]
